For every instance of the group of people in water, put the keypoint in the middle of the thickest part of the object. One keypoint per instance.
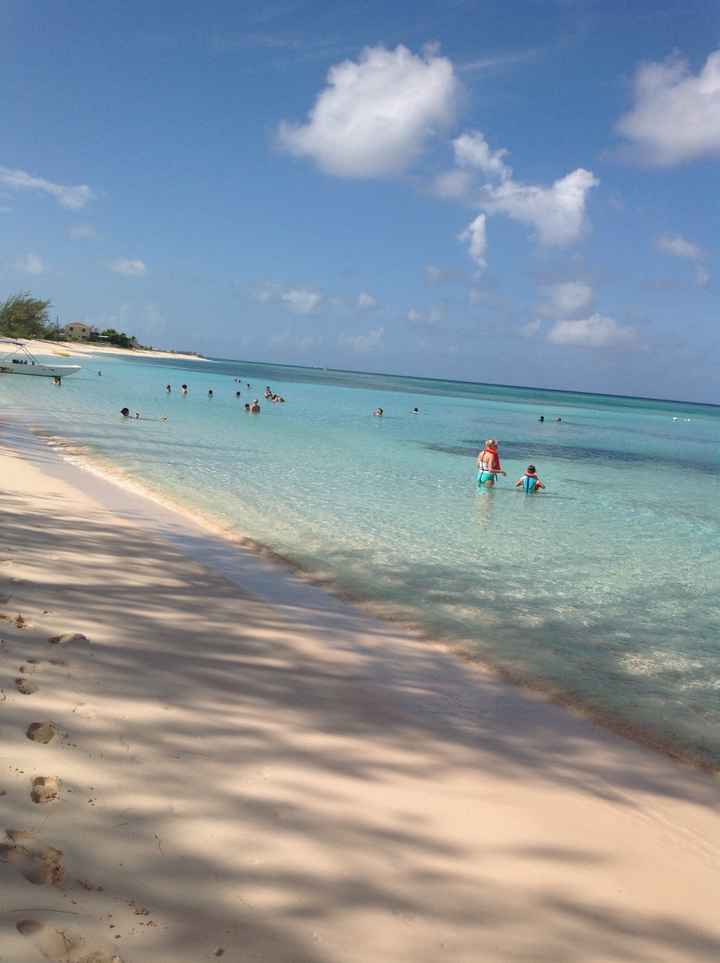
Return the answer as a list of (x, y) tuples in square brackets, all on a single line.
[(489, 467), (488, 460), (251, 407)]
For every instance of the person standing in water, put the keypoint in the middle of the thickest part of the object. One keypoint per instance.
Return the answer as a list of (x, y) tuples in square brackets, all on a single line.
[(529, 481), (488, 463)]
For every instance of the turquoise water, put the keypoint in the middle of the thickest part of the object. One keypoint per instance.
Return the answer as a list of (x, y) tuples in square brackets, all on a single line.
[(606, 587)]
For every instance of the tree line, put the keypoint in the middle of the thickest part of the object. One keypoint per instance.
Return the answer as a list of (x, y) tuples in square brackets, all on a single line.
[(23, 316)]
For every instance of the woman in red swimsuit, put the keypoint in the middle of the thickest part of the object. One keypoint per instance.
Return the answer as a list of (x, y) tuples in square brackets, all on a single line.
[(488, 462)]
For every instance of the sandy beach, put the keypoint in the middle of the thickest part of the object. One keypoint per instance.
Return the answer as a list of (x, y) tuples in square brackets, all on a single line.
[(241, 766), (86, 349)]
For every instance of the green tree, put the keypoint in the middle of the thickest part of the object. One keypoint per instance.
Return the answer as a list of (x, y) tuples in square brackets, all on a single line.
[(23, 316), (118, 338)]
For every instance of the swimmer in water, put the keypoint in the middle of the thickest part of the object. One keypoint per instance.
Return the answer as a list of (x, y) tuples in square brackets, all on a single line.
[(125, 412), (210, 393), (488, 463), (529, 481), (168, 388), (541, 419), (378, 413), (255, 407), (237, 394), (183, 389)]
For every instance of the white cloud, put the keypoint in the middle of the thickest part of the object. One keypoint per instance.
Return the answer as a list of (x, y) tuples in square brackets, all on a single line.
[(702, 276), (566, 299), (366, 300), (476, 238), (298, 299), (30, 264), (678, 246), (302, 300), (132, 269), (364, 342), (265, 293), (431, 318), (676, 116), (557, 212), (375, 114), (81, 232), (70, 197), (452, 185), (496, 61), (473, 151), (597, 331)]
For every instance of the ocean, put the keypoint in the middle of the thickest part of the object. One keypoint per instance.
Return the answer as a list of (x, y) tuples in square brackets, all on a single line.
[(603, 589)]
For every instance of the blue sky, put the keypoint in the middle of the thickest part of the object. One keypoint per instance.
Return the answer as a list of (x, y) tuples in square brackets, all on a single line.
[(516, 192)]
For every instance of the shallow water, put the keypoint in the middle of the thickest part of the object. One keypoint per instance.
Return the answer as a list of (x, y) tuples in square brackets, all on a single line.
[(605, 587)]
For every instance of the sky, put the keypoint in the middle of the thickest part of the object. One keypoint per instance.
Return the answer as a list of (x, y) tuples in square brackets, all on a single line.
[(509, 192)]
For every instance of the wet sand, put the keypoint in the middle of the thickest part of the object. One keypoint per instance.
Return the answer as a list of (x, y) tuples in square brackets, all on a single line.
[(232, 764)]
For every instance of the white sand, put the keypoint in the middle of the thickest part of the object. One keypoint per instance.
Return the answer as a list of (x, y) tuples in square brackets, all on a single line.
[(251, 768), (68, 349)]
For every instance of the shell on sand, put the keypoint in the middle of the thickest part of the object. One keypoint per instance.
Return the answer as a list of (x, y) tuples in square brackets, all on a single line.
[(68, 637)]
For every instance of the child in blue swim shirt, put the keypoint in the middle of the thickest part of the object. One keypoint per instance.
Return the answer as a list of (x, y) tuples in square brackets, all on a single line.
[(529, 481)]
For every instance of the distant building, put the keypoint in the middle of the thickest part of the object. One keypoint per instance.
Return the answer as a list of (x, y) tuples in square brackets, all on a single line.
[(78, 331)]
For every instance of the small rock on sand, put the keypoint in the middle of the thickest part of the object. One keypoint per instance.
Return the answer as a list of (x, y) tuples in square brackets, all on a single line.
[(45, 789)]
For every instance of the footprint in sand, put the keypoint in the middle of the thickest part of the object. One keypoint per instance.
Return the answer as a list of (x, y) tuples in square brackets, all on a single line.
[(25, 686), (40, 865), (45, 789), (68, 637), (41, 732), (62, 944)]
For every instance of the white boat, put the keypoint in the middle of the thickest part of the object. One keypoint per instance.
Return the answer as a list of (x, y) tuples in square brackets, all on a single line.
[(27, 364)]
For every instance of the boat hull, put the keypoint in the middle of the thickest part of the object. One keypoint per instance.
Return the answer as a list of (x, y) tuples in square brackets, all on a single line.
[(40, 370)]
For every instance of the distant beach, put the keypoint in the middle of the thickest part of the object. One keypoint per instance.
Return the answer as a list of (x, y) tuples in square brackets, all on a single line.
[(85, 348)]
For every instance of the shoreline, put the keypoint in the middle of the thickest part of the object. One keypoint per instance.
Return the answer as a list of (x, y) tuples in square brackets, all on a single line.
[(249, 765), (395, 615), (64, 349)]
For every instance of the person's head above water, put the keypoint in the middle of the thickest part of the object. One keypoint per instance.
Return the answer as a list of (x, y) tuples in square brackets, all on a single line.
[(125, 412), (530, 470), (491, 443)]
